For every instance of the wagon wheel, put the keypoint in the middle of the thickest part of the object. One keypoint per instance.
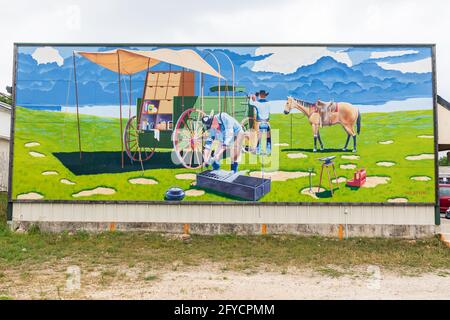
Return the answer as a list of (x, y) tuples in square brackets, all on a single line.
[(250, 135), (189, 138), (131, 141)]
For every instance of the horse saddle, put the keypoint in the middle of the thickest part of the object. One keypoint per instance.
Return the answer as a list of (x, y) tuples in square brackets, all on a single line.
[(326, 109)]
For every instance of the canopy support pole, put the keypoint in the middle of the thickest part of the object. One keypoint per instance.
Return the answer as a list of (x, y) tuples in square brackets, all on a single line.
[(138, 118), (129, 109), (218, 78), (232, 79), (202, 90), (120, 103), (182, 89), (76, 101)]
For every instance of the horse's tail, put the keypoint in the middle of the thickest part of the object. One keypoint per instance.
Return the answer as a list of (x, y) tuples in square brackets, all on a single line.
[(358, 123)]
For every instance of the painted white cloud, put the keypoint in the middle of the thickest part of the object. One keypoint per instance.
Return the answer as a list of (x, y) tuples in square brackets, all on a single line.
[(289, 59), (394, 53), (419, 66), (45, 55)]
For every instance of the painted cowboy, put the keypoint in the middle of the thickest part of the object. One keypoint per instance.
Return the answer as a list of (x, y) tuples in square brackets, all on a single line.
[(262, 107), (228, 131)]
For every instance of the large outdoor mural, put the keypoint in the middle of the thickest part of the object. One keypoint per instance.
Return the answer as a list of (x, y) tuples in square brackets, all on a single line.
[(219, 124)]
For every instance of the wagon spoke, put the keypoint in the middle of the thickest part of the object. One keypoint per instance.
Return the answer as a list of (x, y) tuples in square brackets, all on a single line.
[(188, 153), (183, 144), (197, 157)]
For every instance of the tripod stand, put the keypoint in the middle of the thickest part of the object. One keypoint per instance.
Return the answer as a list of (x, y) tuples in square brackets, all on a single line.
[(327, 163)]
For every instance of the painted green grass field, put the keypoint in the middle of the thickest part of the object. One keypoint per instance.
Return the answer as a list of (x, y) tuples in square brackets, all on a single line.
[(54, 140)]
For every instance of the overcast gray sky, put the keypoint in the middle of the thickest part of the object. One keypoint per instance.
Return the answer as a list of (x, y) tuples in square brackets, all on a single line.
[(250, 21)]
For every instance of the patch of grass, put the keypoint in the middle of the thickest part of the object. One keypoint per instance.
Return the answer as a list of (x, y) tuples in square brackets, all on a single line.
[(150, 277), (232, 252), (331, 272), (3, 210), (57, 133)]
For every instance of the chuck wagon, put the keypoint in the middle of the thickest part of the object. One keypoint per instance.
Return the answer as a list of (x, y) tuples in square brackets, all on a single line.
[(168, 114)]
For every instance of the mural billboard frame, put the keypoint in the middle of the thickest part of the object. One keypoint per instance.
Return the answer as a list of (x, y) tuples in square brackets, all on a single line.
[(225, 203)]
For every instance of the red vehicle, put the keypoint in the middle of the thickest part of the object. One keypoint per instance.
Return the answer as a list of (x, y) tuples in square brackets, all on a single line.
[(444, 197)]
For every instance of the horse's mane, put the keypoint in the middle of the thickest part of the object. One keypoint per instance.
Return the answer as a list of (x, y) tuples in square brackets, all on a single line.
[(304, 103)]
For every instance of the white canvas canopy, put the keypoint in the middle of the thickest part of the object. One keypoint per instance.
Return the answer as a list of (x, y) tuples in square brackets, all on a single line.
[(132, 61)]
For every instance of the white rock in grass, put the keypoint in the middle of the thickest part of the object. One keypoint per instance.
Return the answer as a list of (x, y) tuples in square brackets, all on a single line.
[(96, 191), (280, 175), (50, 173), (142, 181), (349, 166), (36, 154), (426, 136), (312, 193), (186, 176), (194, 193), (339, 180), (421, 178), (67, 181), (386, 142), (30, 196), (397, 200), (297, 155), (32, 144), (423, 156), (350, 157), (372, 182), (385, 164)]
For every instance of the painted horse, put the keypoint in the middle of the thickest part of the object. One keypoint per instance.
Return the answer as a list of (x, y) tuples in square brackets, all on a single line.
[(342, 113)]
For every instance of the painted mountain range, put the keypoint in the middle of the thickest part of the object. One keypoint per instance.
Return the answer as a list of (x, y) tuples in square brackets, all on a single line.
[(365, 82)]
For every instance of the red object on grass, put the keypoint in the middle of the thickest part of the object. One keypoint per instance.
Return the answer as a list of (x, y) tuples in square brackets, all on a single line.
[(358, 180)]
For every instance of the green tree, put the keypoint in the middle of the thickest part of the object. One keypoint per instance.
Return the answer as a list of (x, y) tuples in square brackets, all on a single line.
[(443, 161), (5, 98)]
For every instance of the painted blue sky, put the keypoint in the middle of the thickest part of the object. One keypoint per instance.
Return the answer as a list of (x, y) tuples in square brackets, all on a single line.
[(360, 75)]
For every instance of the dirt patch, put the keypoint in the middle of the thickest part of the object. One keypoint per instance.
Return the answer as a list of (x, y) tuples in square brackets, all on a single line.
[(297, 155), (281, 144), (397, 200), (281, 175), (32, 144), (426, 136), (186, 176), (194, 193), (30, 196), (67, 181), (312, 194), (214, 281), (421, 178), (339, 180), (372, 182), (142, 181), (423, 156), (386, 142), (348, 166), (385, 164), (36, 154), (348, 157), (98, 190), (50, 173)]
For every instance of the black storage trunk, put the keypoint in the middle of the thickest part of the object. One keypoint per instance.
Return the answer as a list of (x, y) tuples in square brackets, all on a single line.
[(244, 187)]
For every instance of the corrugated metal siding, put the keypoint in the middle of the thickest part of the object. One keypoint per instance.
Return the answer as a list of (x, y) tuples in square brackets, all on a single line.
[(271, 214)]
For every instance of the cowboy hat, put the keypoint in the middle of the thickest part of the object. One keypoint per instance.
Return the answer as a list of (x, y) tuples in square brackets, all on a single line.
[(207, 120), (261, 92)]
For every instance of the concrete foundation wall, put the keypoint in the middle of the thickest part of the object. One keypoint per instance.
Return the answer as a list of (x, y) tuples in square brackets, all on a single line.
[(356, 221), (327, 230)]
